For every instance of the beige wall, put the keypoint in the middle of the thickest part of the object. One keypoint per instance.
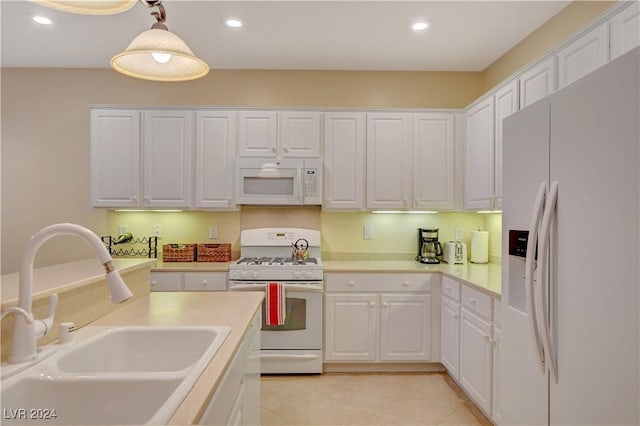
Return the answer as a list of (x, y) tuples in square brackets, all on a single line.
[(545, 38), (45, 122)]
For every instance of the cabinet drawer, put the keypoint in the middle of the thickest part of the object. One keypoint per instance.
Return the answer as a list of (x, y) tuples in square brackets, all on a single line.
[(166, 281), (205, 281), (477, 301), (378, 282), (451, 288)]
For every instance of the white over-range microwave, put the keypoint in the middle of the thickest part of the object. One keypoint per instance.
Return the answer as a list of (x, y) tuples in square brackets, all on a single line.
[(279, 182)]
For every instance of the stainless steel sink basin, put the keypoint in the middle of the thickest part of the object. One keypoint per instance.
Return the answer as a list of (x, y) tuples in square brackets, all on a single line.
[(112, 375), (141, 349)]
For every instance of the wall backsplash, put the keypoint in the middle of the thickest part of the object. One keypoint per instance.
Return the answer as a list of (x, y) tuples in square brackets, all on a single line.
[(394, 234)]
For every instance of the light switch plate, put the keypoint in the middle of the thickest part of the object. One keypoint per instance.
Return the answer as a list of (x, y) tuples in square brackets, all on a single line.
[(368, 232), (213, 232), (157, 231), (122, 229)]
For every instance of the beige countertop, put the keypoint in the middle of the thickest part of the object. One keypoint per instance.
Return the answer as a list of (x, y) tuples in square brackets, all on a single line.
[(235, 309), (65, 276), (486, 277)]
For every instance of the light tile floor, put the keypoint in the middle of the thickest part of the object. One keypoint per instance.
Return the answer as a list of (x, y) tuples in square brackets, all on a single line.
[(367, 399)]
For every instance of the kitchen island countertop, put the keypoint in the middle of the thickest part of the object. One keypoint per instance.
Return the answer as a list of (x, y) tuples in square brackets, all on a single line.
[(235, 309)]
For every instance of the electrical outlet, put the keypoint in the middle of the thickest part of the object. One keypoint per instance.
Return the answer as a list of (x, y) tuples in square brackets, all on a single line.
[(213, 232), (123, 229), (459, 234), (368, 232), (157, 231)]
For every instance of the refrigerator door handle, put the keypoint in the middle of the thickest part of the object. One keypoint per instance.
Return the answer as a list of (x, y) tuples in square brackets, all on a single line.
[(545, 232), (530, 263)]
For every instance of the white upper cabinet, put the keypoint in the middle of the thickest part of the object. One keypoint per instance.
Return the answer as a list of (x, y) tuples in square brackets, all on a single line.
[(298, 135), (479, 176), (583, 56), (215, 152), (388, 160), (167, 144), (625, 30), (344, 156), (115, 158), (537, 82), (506, 103), (257, 134), (433, 161)]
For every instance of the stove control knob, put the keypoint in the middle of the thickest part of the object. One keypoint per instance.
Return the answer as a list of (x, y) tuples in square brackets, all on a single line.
[(243, 274), (254, 274), (297, 274), (306, 274)]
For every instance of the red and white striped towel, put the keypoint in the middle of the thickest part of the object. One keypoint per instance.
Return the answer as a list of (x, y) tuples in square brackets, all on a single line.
[(275, 303)]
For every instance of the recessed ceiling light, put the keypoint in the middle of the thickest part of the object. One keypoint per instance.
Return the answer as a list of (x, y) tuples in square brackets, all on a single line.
[(420, 25), (233, 22), (42, 20)]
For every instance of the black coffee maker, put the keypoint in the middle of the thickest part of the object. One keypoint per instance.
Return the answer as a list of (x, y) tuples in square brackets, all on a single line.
[(429, 249)]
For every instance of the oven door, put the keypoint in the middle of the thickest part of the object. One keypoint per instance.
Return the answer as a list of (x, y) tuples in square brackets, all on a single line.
[(303, 321)]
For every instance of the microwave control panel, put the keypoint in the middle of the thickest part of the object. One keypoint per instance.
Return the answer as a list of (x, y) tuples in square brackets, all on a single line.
[(312, 182)]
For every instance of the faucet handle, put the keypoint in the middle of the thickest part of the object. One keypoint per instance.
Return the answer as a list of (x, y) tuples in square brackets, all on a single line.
[(42, 326)]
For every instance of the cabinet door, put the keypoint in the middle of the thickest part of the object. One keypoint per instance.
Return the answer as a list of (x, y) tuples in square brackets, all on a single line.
[(450, 336), (537, 82), (475, 358), (299, 134), (351, 327), (625, 30), (257, 134), (583, 55), (167, 145), (405, 327), (506, 103), (115, 158), (388, 160), (343, 156), (433, 161), (215, 152), (479, 156), (496, 409)]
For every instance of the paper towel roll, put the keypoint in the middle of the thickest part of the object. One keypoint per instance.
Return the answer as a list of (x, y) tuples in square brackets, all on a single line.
[(479, 246)]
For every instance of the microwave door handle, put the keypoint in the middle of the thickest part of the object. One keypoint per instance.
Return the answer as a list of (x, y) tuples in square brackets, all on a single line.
[(299, 188)]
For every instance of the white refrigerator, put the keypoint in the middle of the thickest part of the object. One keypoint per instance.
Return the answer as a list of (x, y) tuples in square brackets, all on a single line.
[(571, 257)]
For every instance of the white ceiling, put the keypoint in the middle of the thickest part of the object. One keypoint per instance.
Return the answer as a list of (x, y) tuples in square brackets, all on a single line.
[(319, 35)]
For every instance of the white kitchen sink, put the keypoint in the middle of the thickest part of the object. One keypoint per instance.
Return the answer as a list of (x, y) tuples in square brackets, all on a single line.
[(112, 375), (142, 349)]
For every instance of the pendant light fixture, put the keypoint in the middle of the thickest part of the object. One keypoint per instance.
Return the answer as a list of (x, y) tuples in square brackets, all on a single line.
[(158, 54), (88, 7)]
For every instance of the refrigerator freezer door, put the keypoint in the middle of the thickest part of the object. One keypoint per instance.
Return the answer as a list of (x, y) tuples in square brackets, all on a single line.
[(523, 387), (595, 317)]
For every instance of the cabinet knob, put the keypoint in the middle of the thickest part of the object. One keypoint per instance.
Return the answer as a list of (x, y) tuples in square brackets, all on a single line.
[(472, 301), (153, 282), (205, 282), (273, 149), (385, 304), (372, 304), (455, 315), (351, 283), (487, 338), (285, 149), (406, 283)]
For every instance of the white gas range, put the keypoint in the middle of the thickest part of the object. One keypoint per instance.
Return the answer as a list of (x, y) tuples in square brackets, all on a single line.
[(265, 257)]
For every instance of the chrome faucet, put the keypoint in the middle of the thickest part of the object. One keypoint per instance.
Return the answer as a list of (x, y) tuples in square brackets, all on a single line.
[(26, 329)]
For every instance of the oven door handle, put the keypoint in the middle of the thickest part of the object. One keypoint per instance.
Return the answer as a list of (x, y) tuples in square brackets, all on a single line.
[(289, 356), (308, 288)]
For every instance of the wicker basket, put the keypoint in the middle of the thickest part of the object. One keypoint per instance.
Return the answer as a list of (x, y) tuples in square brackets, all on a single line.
[(178, 252), (214, 252)]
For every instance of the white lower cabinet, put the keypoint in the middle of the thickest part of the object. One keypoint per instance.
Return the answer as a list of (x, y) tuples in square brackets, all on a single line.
[(188, 281), (237, 399), (470, 343), (378, 317), (450, 336), (475, 358)]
